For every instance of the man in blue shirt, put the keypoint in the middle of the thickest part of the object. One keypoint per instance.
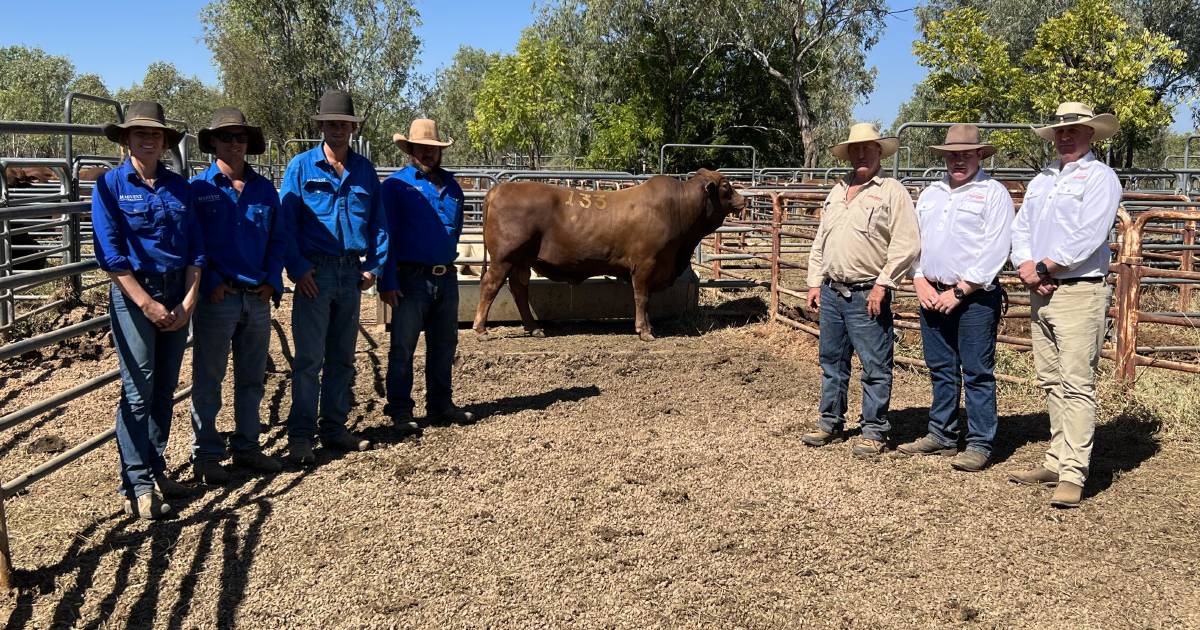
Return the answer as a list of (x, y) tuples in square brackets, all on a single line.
[(331, 202), (425, 219), (239, 209)]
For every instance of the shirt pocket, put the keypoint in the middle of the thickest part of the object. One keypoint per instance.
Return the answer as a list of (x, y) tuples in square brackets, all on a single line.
[(359, 201), (259, 215), (137, 215), (318, 196), (969, 219), (173, 225), (866, 219)]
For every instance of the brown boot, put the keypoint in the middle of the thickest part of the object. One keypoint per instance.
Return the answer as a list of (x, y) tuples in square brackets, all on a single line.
[(1039, 476), (822, 438), (925, 445), (969, 460), (149, 506), (867, 448), (1066, 495)]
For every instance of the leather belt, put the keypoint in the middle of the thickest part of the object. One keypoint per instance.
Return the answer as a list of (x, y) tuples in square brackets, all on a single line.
[(1070, 281), (845, 288), (434, 270)]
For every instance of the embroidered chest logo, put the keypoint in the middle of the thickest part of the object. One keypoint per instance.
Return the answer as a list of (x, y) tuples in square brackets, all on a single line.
[(131, 197)]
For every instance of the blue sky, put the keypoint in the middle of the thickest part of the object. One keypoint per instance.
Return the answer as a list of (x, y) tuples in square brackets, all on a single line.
[(99, 40)]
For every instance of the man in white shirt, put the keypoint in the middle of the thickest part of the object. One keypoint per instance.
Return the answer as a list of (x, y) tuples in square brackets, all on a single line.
[(1060, 249), (965, 220)]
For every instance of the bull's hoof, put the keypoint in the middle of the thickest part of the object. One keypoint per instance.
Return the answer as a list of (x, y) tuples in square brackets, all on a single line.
[(537, 332), (484, 335), (645, 335)]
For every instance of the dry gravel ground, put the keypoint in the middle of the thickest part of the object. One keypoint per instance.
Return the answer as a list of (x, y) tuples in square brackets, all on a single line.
[(612, 483)]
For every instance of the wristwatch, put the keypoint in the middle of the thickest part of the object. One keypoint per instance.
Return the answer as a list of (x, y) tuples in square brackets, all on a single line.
[(959, 293), (1040, 268)]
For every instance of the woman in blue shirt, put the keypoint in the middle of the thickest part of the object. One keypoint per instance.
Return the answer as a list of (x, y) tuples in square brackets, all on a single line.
[(148, 240)]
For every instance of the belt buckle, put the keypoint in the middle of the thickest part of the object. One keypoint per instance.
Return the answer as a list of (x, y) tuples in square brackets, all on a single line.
[(842, 289), (438, 270)]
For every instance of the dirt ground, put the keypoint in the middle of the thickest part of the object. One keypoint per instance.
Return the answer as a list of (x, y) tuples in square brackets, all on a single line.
[(612, 483)]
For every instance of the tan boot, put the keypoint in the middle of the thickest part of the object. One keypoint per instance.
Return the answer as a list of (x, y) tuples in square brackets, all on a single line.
[(926, 445), (867, 448), (822, 438), (1066, 495), (148, 506), (1039, 476)]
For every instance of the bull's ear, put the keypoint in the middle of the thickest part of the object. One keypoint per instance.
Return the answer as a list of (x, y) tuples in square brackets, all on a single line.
[(710, 186)]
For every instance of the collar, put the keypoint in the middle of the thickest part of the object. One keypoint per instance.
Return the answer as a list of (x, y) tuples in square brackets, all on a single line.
[(981, 176), (419, 174), (1086, 161), (319, 153), (876, 179), (214, 173), (130, 174)]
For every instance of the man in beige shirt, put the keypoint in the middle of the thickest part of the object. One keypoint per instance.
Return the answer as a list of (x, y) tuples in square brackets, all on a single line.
[(867, 239)]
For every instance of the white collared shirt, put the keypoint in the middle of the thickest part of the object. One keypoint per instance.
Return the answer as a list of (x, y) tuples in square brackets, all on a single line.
[(964, 231), (1067, 216)]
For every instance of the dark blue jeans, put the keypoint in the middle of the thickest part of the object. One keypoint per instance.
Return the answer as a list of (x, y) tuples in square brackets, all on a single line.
[(325, 330), (960, 348), (149, 360), (429, 303), (242, 320), (846, 329)]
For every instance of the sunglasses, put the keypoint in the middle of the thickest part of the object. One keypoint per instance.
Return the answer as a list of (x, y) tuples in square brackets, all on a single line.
[(1070, 117), (229, 136)]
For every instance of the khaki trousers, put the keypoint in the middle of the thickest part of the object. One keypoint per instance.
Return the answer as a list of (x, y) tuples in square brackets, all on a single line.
[(1068, 330)]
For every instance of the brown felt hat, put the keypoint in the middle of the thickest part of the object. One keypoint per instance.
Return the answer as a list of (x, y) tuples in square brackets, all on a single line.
[(963, 137), (421, 131), (232, 117), (143, 114), (336, 105)]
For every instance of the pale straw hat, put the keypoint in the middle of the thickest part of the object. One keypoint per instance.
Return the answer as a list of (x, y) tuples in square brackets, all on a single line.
[(866, 132), (421, 131), (1073, 113)]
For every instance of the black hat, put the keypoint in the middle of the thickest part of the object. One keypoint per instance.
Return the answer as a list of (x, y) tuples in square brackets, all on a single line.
[(232, 117), (337, 105), (143, 114)]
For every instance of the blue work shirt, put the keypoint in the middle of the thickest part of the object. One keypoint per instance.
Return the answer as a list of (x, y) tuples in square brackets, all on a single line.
[(329, 216), (145, 229), (246, 232), (424, 223)]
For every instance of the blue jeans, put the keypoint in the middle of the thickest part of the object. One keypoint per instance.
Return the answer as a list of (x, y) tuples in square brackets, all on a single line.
[(149, 360), (845, 329), (242, 320), (429, 303), (325, 330), (960, 348)]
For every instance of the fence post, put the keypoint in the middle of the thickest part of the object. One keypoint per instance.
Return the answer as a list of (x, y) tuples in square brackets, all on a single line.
[(1187, 263), (1129, 286), (776, 239), (6, 567), (716, 263)]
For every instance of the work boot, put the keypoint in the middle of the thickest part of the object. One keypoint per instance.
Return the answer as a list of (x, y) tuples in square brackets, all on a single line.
[(1066, 495), (210, 472), (405, 424), (821, 437), (148, 506), (453, 415), (171, 489), (256, 460), (867, 448), (300, 452), (925, 445), (969, 460), (1038, 476), (346, 441)]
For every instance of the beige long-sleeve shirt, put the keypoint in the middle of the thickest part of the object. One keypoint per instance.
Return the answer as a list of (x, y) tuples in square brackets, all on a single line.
[(872, 238)]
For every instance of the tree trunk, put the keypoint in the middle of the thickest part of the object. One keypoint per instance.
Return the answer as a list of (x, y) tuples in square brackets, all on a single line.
[(804, 121)]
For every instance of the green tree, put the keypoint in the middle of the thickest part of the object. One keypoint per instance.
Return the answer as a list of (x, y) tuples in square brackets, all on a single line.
[(185, 99), (451, 102), (276, 58), (523, 97), (33, 86), (1089, 53), (815, 49)]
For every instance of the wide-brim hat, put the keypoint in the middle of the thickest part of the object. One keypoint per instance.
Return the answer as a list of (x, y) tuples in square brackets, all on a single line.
[(232, 117), (421, 131), (963, 137), (336, 105), (1074, 113), (866, 132), (143, 114)]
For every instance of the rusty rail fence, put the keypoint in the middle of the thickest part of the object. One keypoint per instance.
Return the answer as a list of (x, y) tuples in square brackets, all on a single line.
[(779, 247)]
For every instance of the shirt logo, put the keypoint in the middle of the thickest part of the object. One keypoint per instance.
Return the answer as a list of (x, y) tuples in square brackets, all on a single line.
[(135, 197), (207, 198)]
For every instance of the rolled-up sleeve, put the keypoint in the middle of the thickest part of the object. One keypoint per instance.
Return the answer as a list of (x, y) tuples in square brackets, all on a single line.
[(905, 243), (111, 252)]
